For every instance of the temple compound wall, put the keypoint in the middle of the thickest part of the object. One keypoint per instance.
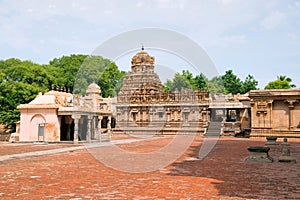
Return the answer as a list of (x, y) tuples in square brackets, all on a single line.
[(59, 116), (275, 113)]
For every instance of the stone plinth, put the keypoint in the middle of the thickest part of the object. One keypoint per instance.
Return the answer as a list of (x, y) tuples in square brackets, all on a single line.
[(271, 140), (259, 154), (286, 156)]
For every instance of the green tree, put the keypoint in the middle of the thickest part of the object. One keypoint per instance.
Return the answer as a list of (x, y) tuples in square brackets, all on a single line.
[(30, 73), (65, 69), (282, 82), (215, 85), (179, 82), (90, 71), (20, 82), (200, 82), (111, 80), (13, 94), (189, 76), (232, 83), (249, 84)]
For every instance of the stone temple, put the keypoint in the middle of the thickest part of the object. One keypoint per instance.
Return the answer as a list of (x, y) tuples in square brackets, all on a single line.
[(142, 107)]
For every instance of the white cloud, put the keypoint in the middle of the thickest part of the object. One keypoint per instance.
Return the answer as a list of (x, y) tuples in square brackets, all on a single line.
[(273, 20)]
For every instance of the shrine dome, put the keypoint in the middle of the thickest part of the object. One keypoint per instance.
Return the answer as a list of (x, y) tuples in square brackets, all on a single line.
[(93, 89)]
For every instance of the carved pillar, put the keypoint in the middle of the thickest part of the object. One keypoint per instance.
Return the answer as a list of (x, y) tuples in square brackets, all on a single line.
[(291, 112), (76, 121)]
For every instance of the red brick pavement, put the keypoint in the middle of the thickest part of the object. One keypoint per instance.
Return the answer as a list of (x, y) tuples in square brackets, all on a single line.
[(7, 148), (223, 174)]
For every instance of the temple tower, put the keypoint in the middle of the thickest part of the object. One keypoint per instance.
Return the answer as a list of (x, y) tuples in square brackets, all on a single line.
[(142, 74)]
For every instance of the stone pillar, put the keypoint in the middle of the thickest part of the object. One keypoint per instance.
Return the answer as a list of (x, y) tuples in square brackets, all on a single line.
[(99, 127), (291, 113), (76, 121), (168, 117), (151, 118), (88, 131), (109, 133)]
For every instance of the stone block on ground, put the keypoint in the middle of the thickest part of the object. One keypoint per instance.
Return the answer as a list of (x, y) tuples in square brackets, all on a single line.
[(271, 140), (259, 154)]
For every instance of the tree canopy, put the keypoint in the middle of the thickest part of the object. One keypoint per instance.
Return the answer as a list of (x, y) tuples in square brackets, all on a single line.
[(282, 82), (21, 81), (179, 82), (225, 84)]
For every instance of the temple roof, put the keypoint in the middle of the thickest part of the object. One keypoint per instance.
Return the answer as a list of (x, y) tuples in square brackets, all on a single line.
[(51, 99)]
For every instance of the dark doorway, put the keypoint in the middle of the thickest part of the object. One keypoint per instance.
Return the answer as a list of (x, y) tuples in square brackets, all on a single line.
[(113, 122), (82, 127), (66, 128), (217, 114), (104, 122)]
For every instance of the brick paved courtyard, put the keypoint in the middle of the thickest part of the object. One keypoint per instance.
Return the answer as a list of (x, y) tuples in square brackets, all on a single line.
[(223, 174)]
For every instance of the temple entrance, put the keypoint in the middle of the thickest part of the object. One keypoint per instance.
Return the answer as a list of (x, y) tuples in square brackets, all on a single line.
[(66, 128), (217, 114)]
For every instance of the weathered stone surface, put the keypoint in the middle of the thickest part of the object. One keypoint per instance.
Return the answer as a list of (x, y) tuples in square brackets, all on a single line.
[(259, 154)]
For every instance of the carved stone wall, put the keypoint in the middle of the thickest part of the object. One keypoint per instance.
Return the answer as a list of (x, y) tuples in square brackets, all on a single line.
[(275, 112)]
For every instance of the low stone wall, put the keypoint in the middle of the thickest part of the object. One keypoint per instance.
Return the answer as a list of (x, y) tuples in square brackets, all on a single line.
[(162, 131), (4, 136), (275, 133)]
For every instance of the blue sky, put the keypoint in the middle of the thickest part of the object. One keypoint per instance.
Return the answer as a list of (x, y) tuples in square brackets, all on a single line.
[(258, 37)]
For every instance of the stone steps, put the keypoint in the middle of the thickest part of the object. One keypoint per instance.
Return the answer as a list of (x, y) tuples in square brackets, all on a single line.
[(214, 129)]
